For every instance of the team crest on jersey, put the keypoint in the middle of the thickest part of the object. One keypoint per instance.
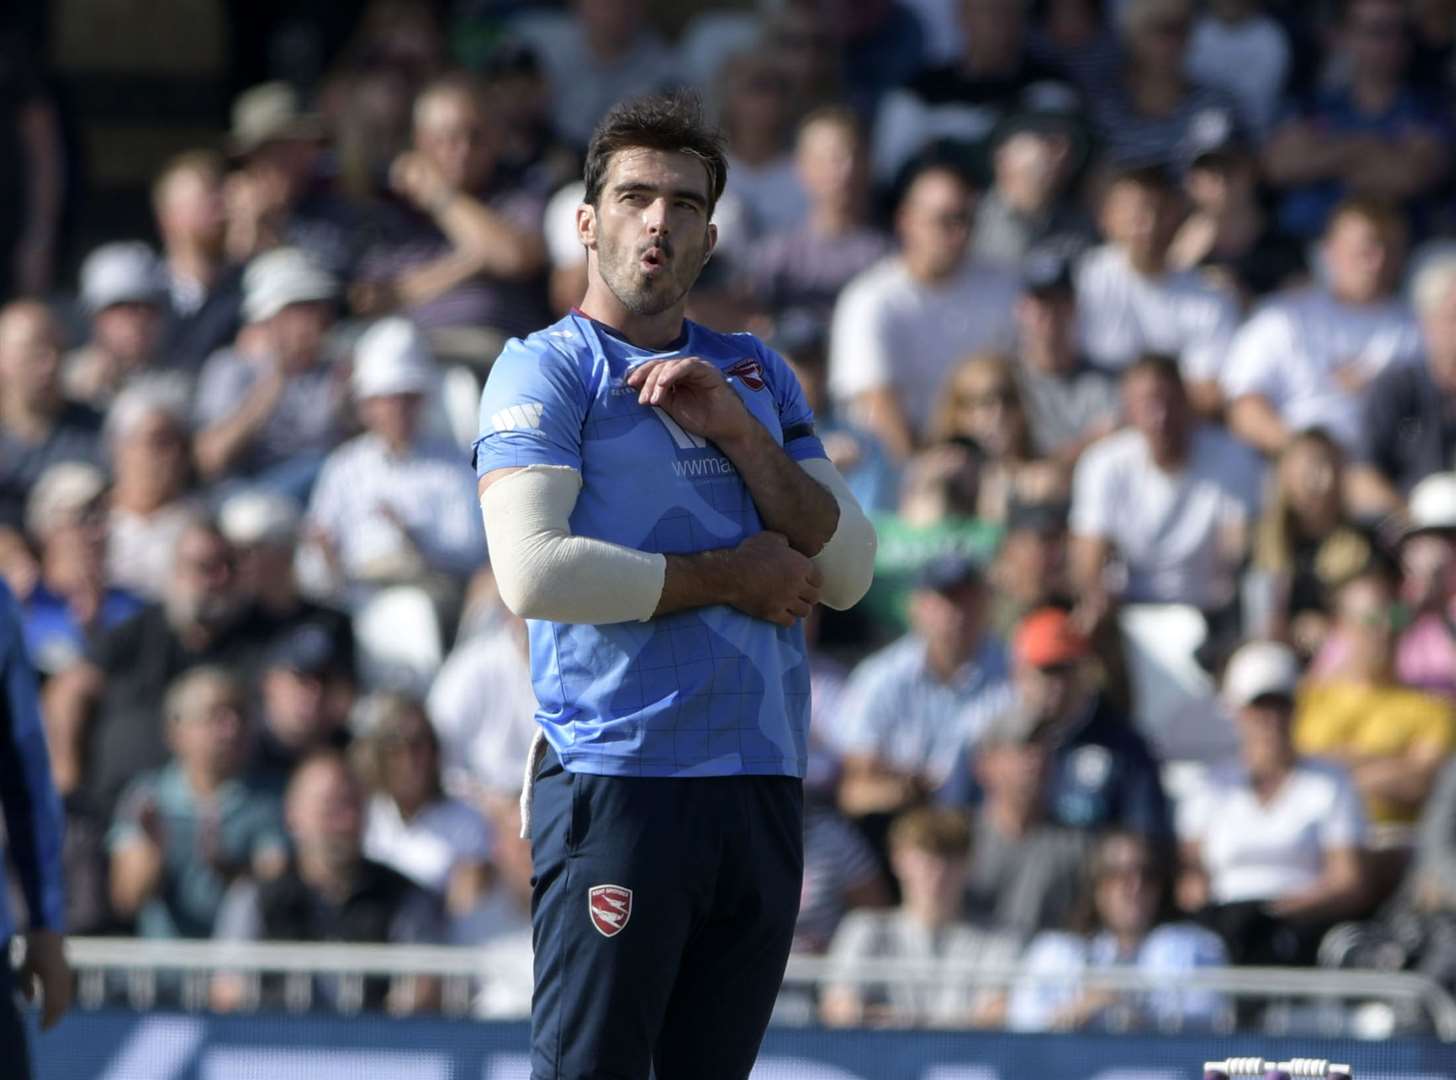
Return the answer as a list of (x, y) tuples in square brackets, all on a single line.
[(610, 907), (749, 370)]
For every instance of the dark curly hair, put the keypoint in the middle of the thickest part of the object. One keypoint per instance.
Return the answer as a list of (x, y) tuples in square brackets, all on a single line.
[(672, 122)]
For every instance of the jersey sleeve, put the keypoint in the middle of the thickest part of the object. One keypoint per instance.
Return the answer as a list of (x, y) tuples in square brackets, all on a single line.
[(795, 417), (532, 410)]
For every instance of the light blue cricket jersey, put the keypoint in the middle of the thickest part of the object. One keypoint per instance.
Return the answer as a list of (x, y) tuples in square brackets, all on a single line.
[(709, 692)]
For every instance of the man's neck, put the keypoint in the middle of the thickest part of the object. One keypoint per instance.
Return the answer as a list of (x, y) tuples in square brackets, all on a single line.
[(1148, 264), (1156, 93), (927, 915), (29, 421), (832, 219), (1174, 456), (204, 782), (1050, 361), (333, 878), (190, 263), (1372, 94), (1010, 818), (944, 661), (929, 276), (645, 331)]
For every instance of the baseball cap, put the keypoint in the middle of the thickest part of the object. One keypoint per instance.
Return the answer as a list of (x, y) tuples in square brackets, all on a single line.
[(1432, 504), (308, 649), (281, 277), (392, 357), (947, 572), (120, 273), (270, 112), (259, 516), (1260, 669), (1212, 134), (60, 493), (1047, 638), (1046, 271)]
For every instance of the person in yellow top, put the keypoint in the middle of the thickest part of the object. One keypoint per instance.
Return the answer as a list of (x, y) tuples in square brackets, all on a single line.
[(1393, 739)]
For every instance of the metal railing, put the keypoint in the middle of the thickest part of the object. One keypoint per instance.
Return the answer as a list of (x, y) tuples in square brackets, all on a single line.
[(137, 971)]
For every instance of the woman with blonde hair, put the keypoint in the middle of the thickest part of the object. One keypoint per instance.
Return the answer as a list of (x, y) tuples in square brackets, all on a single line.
[(981, 403), (1305, 545)]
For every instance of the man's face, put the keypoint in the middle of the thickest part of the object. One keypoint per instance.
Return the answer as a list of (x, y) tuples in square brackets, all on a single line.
[(1045, 322), (325, 809), (191, 207), (1362, 259), (935, 222), (1015, 772), (128, 331), (297, 333), (204, 581), (953, 617), (152, 456), (1375, 32), (293, 707), (1438, 323), (392, 417), (30, 356), (1050, 692), (452, 131), (210, 734), (649, 233), (996, 26), (832, 164), (1137, 218), (1156, 408)]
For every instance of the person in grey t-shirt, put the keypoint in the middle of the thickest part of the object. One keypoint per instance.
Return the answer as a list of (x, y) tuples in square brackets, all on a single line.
[(1069, 402), (928, 850), (1025, 871)]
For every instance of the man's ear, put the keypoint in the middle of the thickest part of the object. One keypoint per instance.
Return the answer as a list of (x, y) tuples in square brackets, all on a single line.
[(586, 225), (712, 243)]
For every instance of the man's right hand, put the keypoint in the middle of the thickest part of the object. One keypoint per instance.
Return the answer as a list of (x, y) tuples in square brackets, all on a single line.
[(775, 582)]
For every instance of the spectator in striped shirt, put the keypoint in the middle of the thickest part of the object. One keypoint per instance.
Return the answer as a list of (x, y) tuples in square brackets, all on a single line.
[(390, 506)]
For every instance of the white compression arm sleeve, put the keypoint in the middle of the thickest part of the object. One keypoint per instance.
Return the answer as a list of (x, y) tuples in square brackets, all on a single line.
[(543, 572), (848, 560)]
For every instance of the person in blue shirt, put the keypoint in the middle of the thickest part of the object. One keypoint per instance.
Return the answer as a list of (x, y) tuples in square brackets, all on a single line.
[(33, 830), (660, 511)]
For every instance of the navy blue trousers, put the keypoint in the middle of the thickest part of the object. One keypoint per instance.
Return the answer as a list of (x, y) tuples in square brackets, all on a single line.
[(662, 914), (14, 1054)]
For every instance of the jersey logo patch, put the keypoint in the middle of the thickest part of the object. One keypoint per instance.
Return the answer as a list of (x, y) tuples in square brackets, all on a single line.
[(749, 371), (514, 417), (610, 906)]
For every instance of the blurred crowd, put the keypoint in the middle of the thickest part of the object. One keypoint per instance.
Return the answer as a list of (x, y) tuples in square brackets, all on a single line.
[(1132, 323)]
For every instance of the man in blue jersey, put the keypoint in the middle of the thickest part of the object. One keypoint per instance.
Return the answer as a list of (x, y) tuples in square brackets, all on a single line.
[(33, 824), (659, 508)]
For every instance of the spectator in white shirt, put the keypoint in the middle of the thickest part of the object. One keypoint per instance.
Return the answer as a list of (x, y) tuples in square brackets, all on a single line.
[(1305, 360), (1271, 843), (484, 711), (391, 507), (1130, 301), (146, 435), (440, 843), (900, 326), (124, 292), (1168, 500)]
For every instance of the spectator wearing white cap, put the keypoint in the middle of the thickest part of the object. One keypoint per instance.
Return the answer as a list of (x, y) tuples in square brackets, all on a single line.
[(146, 438), (1271, 843), (391, 506), (66, 520), (124, 293), (272, 414), (264, 527), (1425, 655)]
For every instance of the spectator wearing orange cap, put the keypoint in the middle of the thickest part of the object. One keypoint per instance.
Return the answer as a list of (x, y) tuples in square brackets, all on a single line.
[(1102, 774)]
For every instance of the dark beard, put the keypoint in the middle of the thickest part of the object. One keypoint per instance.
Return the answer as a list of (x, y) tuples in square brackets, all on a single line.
[(638, 297)]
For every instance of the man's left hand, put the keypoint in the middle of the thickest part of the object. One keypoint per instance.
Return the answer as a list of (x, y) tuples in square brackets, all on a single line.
[(695, 394), (45, 965)]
